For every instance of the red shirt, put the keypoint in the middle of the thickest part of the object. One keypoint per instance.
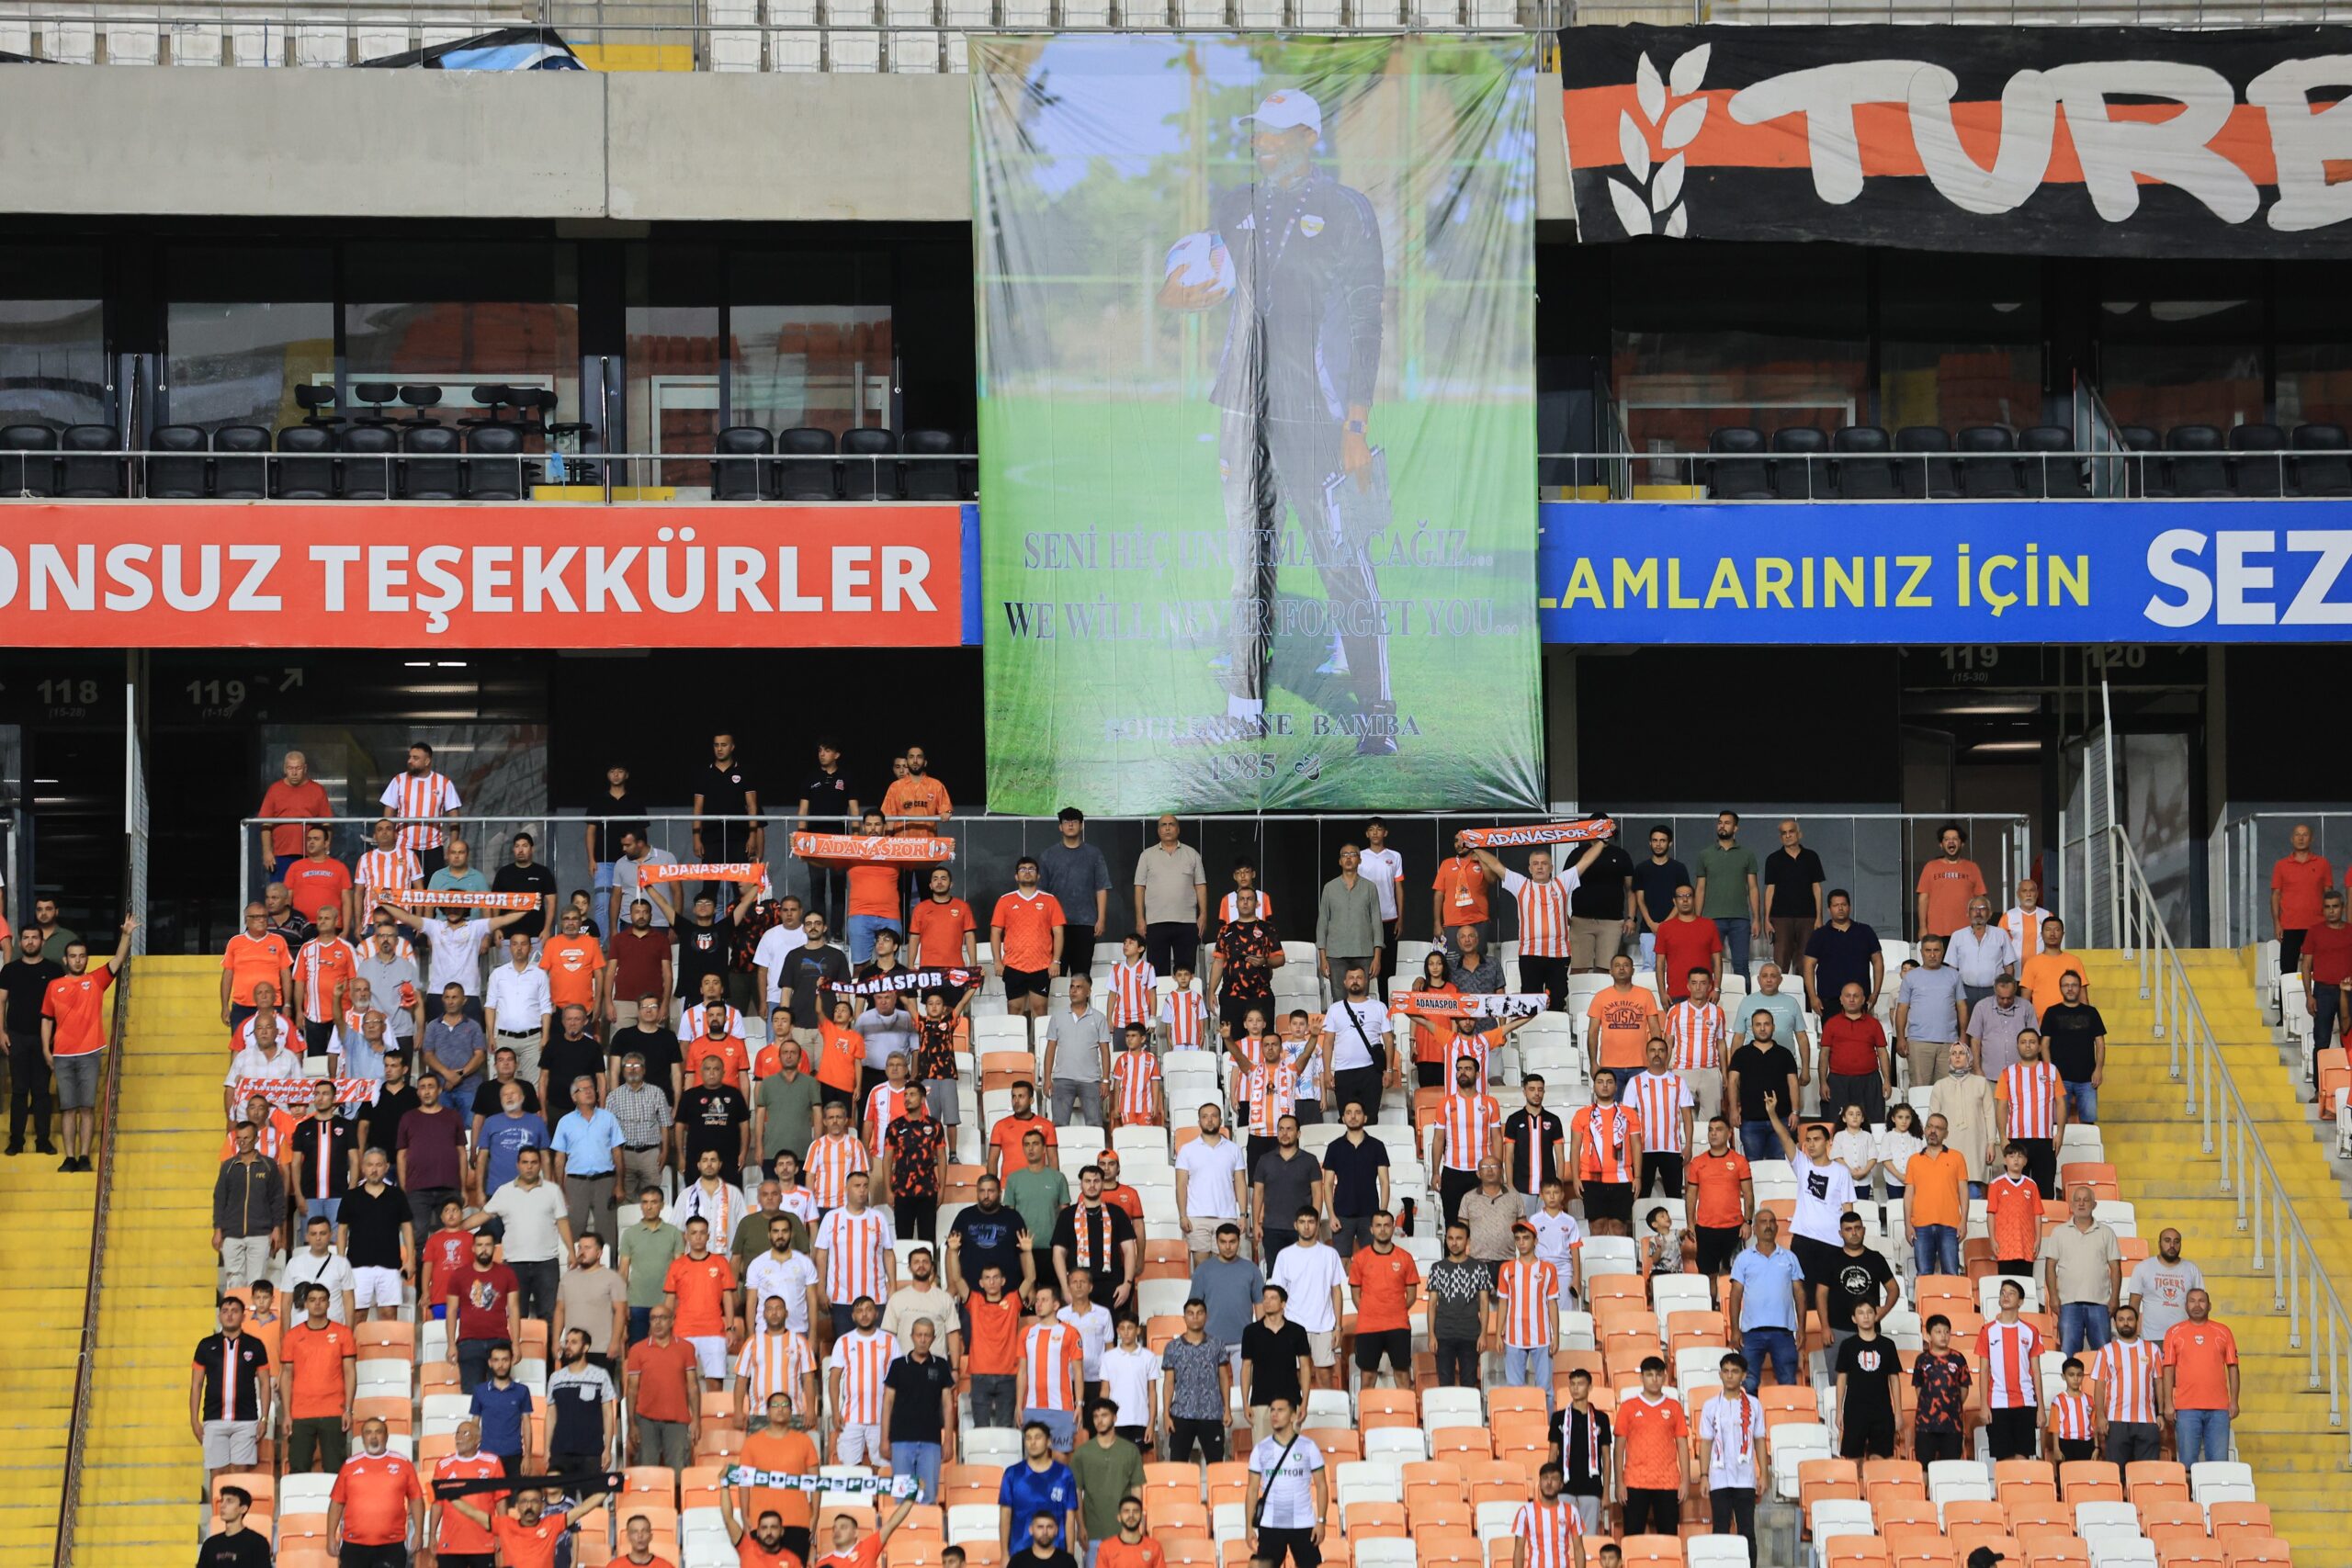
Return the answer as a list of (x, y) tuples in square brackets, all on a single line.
[(530, 1546), (76, 1004), (1714, 1181), (660, 1384), (482, 1295), (2298, 884), (315, 884), (1854, 1044), (251, 960), (865, 1554), (374, 1490), (1383, 1289), (1685, 945), (637, 964), (308, 800), (2330, 950), (996, 1336), (448, 1253), (459, 1536), (938, 930)]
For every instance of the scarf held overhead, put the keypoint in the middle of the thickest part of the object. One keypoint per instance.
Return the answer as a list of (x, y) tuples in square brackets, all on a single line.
[(1580, 832), (1504, 1004), (857, 849), (906, 980), (704, 870)]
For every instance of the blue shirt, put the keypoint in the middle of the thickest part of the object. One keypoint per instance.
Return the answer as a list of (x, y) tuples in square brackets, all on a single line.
[(503, 1137), (587, 1142), (502, 1413), (1028, 1493), (1765, 1282)]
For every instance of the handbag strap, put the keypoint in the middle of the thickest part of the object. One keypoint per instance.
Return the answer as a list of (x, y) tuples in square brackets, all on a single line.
[(1266, 1492)]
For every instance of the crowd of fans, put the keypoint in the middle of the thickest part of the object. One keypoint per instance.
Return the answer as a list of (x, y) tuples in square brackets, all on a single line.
[(665, 1197)]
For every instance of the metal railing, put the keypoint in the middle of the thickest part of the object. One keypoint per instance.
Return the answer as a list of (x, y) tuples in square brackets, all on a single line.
[(2248, 846), (2317, 1324), (2101, 473), (86, 1341)]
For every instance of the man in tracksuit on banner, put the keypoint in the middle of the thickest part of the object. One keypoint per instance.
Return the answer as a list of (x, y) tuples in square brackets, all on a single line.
[(1302, 355)]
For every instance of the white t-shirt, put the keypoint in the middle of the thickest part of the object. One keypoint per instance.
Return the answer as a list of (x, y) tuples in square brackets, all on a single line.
[(333, 1271), (456, 958), (1732, 1462), (1287, 1482), (1310, 1274), (1823, 1192), (1348, 1048), (774, 947), (1384, 869), (1310, 1072), (1128, 1376), (1557, 1236), (250, 1063), (789, 1278), (530, 1213), (1094, 1335), (1209, 1170)]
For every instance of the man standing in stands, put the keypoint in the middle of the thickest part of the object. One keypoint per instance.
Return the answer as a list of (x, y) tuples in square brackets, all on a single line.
[(1545, 948), (2200, 1386), (2297, 883), (423, 802), (228, 1395), (2326, 964), (290, 802), (377, 1503), (1946, 885), (25, 978)]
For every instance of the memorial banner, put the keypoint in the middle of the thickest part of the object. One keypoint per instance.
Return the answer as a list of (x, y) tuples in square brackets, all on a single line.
[(1257, 415)]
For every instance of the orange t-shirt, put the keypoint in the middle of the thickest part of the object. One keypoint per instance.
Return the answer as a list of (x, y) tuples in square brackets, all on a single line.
[(727, 1048), (1028, 925), (700, 1285), (791, 1452), (530, 1546), (1652, 1438), (2040, 977), (251, 960), (1625, 1020), (1006, 1135), (842, 1052), (315, 1358), (2200, 1355), (1462, 891), (77, 1005), (938, 930), (1117, 1553), (459, 1536), (2013, 1210), (315, 884), (873, 890), (865, 1553), (995, 1351), (1714, 1181), (1384, 1288), (1948, 885), (1429, 1033), (374, 1490), (1937, 1188), (660, 1388), (924, 797), (572, 964), (751, 1554)]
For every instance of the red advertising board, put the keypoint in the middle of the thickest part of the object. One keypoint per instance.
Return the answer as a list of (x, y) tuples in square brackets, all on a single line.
[(353, 574)]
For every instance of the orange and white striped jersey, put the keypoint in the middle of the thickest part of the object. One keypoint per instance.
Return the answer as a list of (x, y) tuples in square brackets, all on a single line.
[(1131, 987), (2030, 1086), (2126, 1376), (855, 1247), (1478, 1046), (409, 796), (325, 964), (1603, 1137), (1268, 1094), (1229, 906), (693, 1021), (1548, 1527), (827, 1170), (1051, 1349), (773, 1364), (2024, 927), (1134, 1075), (884, 1106), (863, 1360), (1659, 1100), (1542, 913), (1697, 1033), (2010, 1353), (2070, 1417), (1529, 1289), (387, 873), (1474, 1129), (1186, 1016)]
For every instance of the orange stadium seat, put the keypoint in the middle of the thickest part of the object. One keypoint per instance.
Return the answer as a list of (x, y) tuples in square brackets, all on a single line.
[(1891, 1514), (2251, 1516), (2260, 1548), (1855, 1550), (1375, 1521), (1444, 1514), (1434, 1472)]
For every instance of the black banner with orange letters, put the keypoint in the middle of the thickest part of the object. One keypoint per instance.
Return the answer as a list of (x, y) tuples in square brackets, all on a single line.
[(2060, 141)]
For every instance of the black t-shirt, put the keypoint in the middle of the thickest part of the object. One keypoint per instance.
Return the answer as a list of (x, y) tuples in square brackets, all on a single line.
[(915, 1418), (532, 879), (1759, 1069), (608, 814), (1840, 956), (1535, 1150), (1355, 1175), (710, 1117), (1108, 1230), (802, 971), (379, 1121), (375, 1221), (26, 984), (1027, 1558), (1273, 1360), (659, 1046), (1792, 881), (1655, 885), (1871, 1366), (566, 1059), (724, 791), (325, 1147), (231, 1379), (703, 950), (2067, 1032), (1601, 895), (828, 794), (248, 1548), (988, 1238), (1851, 1280)]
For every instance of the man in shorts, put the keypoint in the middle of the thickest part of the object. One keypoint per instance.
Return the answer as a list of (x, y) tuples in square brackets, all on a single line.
[(1722, 1192), (1025, 941), (73, 1037), (228, 1394)]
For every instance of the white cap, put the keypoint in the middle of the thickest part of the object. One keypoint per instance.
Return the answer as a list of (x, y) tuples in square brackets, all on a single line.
[(1287, 108)]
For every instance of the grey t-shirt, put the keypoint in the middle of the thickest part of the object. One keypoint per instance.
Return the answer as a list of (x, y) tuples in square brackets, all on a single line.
[(1934, 997), (2163, 1289), (1075, 1038), (1232, 1291), (896, 1033), (1167, 879), (1074, 876), (1290, 1185), (385, 976)]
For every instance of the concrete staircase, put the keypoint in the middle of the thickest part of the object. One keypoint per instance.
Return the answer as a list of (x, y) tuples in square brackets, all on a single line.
[(47, 1217), (142, 1473), (2283, 1432)]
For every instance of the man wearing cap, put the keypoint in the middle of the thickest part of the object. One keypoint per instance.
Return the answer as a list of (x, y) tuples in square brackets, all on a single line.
[(1301, 254)]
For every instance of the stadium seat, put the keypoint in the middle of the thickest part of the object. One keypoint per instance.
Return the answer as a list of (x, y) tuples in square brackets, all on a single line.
[(431, 470), (1738, 472), (2043, 475), (28, 464), (2258, 464), (2196, 467), (86, 469), (493, 463), (1926, 477), (735, 468), (931, 468), (808, 478), (182, 476), (1863, 470), (2323, 465), (1989, 466), (1799, 472), (302, 471), (865, 476), (367, 449)]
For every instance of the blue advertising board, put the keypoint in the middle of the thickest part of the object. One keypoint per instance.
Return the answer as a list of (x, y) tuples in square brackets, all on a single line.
[(2186, 571)]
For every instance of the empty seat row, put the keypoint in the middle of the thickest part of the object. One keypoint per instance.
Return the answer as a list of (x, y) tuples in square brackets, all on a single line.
[(313, 462), (804, 464), (2251, 460)]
